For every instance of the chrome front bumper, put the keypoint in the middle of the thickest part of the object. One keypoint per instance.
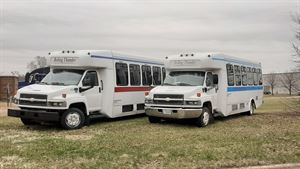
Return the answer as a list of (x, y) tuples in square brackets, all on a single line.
[(175, 113)]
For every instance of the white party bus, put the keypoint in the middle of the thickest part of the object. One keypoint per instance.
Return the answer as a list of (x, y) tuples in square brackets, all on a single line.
[(84, 84), (201, 86)]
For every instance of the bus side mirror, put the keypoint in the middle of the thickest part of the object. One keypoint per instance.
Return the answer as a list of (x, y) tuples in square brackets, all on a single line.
[(215, 79)]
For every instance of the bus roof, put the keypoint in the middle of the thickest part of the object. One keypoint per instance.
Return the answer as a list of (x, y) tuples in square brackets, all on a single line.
[(95, 58), (205, 61)]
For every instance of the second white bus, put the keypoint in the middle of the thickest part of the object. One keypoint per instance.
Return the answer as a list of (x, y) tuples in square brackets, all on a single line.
[(201, 86)]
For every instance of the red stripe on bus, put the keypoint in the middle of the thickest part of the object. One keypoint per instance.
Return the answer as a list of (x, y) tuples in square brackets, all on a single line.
[(132, 89)]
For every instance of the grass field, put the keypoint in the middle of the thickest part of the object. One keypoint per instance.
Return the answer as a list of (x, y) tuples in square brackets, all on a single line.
[(271, 136)]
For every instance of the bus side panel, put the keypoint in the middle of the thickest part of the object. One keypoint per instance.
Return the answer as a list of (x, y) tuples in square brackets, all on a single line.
[(128, 103)]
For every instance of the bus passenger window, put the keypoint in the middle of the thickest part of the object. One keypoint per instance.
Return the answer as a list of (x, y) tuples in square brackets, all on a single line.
[(146, 75), (122, 74), (156, 75), (230, 74), (249, 76), (244, 76), (237, 72), (164, 73), (259, 77), (255, 76), (135, 75)]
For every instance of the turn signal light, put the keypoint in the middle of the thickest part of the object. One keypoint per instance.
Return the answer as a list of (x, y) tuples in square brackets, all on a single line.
[(198, 94), (146, 93)]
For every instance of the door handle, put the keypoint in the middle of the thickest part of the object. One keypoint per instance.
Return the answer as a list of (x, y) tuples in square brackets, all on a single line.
[(99, 89)]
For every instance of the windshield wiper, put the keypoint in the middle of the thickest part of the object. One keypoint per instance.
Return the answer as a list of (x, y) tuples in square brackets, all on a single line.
[(43, 83), (57, 83), (168, 84), (183, 84)]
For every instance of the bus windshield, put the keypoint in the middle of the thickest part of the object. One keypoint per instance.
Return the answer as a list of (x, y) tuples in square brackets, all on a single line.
[(185, 78), (63, 77)]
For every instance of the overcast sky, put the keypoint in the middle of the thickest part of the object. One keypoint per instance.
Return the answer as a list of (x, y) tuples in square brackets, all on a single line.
[(260, 30)]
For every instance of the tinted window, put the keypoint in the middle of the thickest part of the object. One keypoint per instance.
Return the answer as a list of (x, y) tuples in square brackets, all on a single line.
[(156, 75), (255, 80), (237, 72), (135, 75), (122, 74), (250, 76), (164, 73), (146, 75), (90, 79), (209, 79), (259, 77), (230, 75), (244, 76)]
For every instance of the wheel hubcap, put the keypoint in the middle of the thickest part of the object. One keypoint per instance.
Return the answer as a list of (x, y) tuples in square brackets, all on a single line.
[(73, 119), (205, 118)]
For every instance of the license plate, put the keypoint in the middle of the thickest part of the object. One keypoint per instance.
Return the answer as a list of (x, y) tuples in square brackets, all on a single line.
[(167, 111)]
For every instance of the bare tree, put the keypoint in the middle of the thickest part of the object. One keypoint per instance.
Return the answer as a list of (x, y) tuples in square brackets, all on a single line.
[(38, 62), (296, 45), (289, 81), (272, 81)]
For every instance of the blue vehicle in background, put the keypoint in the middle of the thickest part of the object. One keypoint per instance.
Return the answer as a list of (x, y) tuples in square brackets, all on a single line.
[(34, 77)]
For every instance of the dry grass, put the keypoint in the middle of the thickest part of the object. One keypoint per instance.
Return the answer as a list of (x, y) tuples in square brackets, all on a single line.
[(268, 137)]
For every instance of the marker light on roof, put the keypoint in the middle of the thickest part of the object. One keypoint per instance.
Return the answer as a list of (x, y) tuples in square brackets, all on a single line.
[(89, 53), (186, 54), (181, 55), (192, 54), (73, 51), (63, 51)]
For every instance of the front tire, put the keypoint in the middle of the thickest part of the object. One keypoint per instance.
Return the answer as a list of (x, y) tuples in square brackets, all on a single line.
[(205, 118), (71, 119), (153, 119)]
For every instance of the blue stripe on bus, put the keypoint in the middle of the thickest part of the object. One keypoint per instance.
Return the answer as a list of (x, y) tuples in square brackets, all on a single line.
[(237, 61), (129, 60), (243, 88)]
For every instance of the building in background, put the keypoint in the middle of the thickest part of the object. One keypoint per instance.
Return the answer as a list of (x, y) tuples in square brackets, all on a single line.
[(8, 86)]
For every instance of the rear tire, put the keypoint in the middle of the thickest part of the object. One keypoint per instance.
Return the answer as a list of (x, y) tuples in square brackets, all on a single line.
[(73, 118), (205, 118), (153, 119), (252, 109), (28, 121)]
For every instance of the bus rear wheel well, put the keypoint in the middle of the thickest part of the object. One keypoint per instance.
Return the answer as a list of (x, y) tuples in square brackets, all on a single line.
[(253, 102)]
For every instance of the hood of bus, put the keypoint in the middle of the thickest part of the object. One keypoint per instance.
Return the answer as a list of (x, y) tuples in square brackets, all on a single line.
[(187, 91), (51, 91)]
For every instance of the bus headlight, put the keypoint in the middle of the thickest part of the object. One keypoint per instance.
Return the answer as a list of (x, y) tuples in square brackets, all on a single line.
[(193, 102), (15, 100), (57, 104)]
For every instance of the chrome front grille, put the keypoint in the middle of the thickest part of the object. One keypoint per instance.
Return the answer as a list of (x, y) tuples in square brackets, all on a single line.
[(33, 99), (168, 99)]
